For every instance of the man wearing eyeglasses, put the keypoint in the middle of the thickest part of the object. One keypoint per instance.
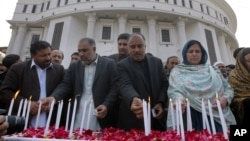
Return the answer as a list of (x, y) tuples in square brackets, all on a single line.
[(122, 41)]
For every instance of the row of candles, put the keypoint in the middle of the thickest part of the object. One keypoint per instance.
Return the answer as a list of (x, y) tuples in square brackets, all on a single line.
[(26, 110), (177, 122)]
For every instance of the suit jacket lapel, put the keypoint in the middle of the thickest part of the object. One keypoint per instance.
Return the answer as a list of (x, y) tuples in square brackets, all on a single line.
[(98, 68), (151, 68)]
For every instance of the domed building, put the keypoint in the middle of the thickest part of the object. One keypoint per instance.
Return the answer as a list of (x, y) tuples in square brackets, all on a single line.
[(166, 25)]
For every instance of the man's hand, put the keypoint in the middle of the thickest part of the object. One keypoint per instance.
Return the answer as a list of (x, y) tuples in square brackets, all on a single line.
[(34, 107), (136, 107), (101, 111), (46, 103), (3, 126), (159, 109)]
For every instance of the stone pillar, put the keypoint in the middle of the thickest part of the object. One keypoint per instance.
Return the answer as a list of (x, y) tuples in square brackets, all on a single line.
[(122, 20), (45, 31), (181, 32), (12, 39), (223, 49), (91, 24), (19, 41), (152, 47)]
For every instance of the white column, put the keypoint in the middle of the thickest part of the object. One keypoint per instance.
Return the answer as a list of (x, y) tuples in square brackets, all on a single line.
[(18, 44), (91, 24), (12, 39), (122, 20), (152, 47), (181, 31), (223, 49), (45, 31)]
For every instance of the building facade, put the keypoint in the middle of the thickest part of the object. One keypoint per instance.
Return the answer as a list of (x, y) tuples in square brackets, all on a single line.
[(166, 25)]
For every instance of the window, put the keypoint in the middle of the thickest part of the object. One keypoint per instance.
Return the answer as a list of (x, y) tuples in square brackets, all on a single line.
[(136, 30), (58, 3), (157, 0), (42, 7), (34, 38), (202, 10), (166, 1), (66, 2), (48, 4), (106, 33), (78, 0), (191, 4), (34, 9), (225, 20), (165, 36), (183, 3), (208, 12), (216, 13), (25, 8), (175, 2), (56, 40)]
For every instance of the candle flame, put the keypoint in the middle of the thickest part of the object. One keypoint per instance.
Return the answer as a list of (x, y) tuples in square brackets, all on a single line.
[(30, 97), (17, 92), (187, 99), (70, 100), (217, 95), (149, 99), (170, 100)]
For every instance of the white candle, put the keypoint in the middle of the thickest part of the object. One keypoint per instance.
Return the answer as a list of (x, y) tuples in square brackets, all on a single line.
[(177, 117), (223, 123), (67, 118), (27, 114), (181, 121), (38, 114), (211, 117), (20, 108), (12, 102), (49, 118), (172, 113), (58, 115), (205, 120), (144, 109), (203, 114), (149, 116), (73, 118), (83, 116), (189, 119), (89, 114), (24, 108)]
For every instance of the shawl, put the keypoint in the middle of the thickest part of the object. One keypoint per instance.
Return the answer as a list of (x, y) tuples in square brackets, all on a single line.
[(239, 80)]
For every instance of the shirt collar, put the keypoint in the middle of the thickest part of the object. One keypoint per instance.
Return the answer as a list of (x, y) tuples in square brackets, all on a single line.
[(33, 63)]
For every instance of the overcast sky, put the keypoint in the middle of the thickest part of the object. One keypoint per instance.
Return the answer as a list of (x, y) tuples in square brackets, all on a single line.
[(240, 7)]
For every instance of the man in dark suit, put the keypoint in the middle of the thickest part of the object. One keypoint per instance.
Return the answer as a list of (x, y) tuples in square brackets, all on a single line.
[(122, 42), (140, 76), (90, 78), (37, 77)]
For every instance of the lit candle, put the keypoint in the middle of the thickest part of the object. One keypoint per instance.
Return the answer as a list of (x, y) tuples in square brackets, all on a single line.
[(83, 116), (211, 117), (181, 120), (67, 118), (223, 123), (144, 109), (89, 114), (149, 116), (189, 119), (58, 115), (172, 113), (12, 102), (27, 114), (24, 108), (20, 108), (73, 118), (49, 118), (38, 114)]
